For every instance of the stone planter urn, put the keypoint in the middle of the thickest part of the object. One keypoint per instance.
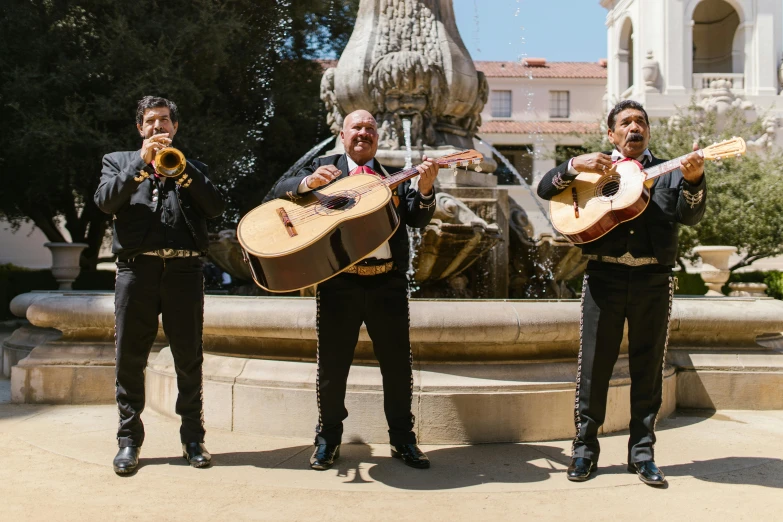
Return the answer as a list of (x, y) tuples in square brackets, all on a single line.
[(715, 266), (650, 73), (65, 262)]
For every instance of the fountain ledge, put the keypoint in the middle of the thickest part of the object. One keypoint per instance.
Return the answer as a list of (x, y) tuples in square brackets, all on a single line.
[(484, 371)]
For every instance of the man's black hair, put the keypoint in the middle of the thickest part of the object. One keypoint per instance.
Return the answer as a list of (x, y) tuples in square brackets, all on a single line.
[(620, 107), (151, 102)]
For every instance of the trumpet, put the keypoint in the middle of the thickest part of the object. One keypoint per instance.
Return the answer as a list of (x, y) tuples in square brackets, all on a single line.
[(170, 162)]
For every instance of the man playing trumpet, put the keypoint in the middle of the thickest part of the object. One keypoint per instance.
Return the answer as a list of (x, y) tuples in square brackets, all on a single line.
[(160, 230)]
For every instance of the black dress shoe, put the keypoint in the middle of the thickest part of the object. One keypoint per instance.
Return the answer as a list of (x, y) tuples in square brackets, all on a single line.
[(648, 472), (127, 460), (324, 456), (411, 455), (196, 454), (580, 469)]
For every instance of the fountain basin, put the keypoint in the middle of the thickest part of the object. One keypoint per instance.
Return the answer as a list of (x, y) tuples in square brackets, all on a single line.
[(484, 371)]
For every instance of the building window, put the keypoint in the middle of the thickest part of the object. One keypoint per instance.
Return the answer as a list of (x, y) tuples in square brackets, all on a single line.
[(501, 104), (559, 104)]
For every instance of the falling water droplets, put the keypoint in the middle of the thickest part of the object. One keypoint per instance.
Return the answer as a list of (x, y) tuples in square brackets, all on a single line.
[(406, 129)]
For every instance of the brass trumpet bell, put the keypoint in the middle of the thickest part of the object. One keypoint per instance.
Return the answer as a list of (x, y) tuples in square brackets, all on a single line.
[(170, 162)]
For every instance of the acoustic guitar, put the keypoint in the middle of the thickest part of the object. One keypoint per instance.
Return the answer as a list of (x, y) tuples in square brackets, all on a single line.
[(594, 204), (291, 245)]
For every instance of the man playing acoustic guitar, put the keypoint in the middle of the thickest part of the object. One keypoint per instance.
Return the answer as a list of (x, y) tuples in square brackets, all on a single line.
[(373, 292), (628, 277)]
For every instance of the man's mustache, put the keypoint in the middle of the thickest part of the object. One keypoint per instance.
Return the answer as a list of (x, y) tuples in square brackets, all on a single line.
[(635, 136)]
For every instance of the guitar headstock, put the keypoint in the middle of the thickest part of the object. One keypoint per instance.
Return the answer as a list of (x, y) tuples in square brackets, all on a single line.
[(460, 159), (735, 147)]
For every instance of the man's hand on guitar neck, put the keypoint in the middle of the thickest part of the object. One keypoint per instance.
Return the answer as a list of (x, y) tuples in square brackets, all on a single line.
[(428, 170), (693, 166), (596, 163), (323, 175)]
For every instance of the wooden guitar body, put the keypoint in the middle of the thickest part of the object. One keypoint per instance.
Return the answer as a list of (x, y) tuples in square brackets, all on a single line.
[(295, 244), (594, 204)]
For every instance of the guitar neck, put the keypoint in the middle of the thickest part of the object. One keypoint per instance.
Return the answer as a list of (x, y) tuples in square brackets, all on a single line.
[(667, 166), (457, 159), (400, 177)]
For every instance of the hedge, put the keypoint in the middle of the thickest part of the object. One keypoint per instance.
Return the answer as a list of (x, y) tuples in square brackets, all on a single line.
[(16, 280)]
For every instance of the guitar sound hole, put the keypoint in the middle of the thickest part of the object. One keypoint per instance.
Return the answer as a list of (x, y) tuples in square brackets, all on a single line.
[(610, 188), (337, 202)]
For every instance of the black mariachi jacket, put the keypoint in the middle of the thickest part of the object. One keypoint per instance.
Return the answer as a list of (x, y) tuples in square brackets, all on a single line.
[(134, 210), (673, 201), (410, 209)]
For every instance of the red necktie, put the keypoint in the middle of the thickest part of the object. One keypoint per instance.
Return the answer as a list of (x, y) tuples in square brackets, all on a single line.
[(363, 169)]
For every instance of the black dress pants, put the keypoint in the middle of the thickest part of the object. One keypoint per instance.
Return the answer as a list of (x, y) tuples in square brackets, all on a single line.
[(146, 287), (612, 294), (381, 302)]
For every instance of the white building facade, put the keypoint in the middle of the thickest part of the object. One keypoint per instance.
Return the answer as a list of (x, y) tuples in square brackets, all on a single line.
[(663, 53)]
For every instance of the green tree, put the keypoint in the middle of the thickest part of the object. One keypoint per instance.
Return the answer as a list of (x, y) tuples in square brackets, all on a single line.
[(71, 72), (744, 195)]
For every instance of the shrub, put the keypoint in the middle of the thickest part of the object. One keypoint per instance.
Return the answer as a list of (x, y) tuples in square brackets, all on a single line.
[(774, 281), (15, 280)]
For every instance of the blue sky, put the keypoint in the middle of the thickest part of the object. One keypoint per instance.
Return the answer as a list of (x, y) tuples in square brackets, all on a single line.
[(558, 30)]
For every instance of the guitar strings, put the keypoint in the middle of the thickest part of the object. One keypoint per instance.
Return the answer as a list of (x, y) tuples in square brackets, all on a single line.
[(311, 209), (329, 203), (335, 200), (651, 171)]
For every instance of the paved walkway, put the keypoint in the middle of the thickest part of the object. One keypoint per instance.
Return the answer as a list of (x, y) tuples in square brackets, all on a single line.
[(55, 464)]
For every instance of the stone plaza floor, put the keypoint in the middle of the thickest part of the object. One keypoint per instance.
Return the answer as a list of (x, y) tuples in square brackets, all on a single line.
[(55, 464)]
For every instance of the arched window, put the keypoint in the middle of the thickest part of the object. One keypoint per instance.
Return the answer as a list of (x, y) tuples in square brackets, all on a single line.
[(717, 48), (626, 58)]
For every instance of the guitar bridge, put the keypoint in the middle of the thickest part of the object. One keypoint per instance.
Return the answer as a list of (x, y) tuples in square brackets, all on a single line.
[(289, 226), (576, 201)]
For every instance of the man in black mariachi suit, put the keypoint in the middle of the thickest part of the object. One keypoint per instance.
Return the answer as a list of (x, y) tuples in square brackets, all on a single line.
[(374, 292), (628, 277), (160, 231)]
